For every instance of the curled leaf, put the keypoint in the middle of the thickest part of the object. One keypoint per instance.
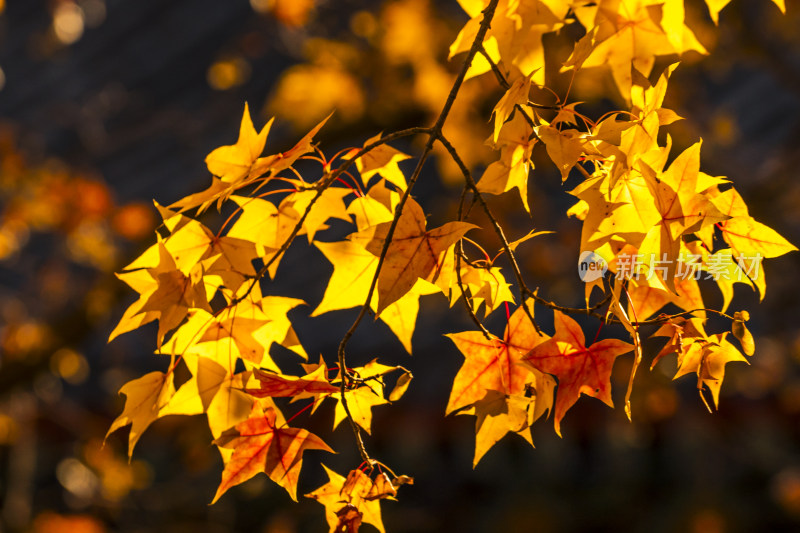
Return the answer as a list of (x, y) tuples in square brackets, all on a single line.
[(401, 386), (741, 332)]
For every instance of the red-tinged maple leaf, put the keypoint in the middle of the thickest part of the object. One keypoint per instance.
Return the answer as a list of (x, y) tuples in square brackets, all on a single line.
[(279, 162), (493, 364), (579, 368), (276, 385), (259, 446)]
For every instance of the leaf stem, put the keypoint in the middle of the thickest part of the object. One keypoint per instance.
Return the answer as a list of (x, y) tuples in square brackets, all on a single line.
[(468, 302)]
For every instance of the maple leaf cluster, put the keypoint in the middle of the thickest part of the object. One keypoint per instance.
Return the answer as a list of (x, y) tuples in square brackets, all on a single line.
[(208, 289), (226, 346)]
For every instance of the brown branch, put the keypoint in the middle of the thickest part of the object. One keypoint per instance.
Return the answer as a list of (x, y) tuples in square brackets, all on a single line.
[(525, 292), (501, 78), (583, 171), (591, 311), (470, 182), (433, 132)]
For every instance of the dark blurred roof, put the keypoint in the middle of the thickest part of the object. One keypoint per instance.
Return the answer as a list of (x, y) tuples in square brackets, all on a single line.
[(130, 98)]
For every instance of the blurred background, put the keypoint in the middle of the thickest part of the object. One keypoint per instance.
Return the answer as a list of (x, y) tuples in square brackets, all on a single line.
[(108, 104)]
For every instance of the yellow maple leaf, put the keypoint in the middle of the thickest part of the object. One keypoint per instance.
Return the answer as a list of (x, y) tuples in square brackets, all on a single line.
[(498, 415), (516, 95), (334, 497), (280, 162), (413, 253), (511, 170), (145, 397), (565, 147), (628, 38), (353, 270), (700, 354), (173, 294), (240, 331), (487, 286), (682, 210), (232, 164), (380, 160), (743, 233), (360, 402)]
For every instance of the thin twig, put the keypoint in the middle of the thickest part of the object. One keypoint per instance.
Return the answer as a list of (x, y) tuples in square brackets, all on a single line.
[(433, 132), (321, 186), (459, 252), (501, 79), (525, 292), (660, 319), (470, 182)]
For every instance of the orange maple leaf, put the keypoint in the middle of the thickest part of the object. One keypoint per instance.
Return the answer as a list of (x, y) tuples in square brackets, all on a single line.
[(413, 253), (579, 368), (276, 385), (259, 446), (492, 364)]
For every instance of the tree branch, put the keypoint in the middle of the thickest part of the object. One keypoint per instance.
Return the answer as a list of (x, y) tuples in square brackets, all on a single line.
[(525, 292), (321, 186), (470, 182), (435, 130)]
